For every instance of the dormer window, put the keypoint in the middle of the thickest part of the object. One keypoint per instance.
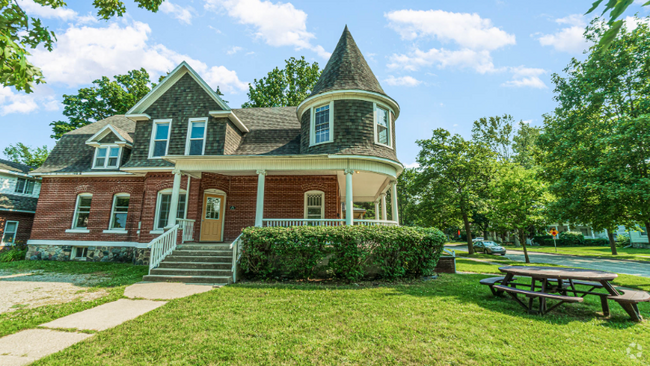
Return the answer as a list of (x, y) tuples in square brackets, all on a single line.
[(24, 186), (196, 132), (160, 138), (322, 118), (107, 157), (382, 126)]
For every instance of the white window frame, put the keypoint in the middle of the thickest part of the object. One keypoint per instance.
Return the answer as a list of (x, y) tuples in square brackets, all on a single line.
[(4, 232), (24, 191), (108, 151), (189, 134), (73, 228), (312, 128), (390, 124), (110, 221), (153, 137), (157, 230), (74, 252), (322, 203)]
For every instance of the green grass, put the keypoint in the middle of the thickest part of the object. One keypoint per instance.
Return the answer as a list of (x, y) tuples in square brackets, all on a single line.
[(599, 252), (116, 277)]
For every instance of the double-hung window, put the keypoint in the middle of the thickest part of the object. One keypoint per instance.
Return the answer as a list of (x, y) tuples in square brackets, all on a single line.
[(321, 130), (9, 235), (314, 205), (196, 132), (160, 138), (107, 157), (382, 126), (164, 205), (119, 211), (25, 186), (82, 211)]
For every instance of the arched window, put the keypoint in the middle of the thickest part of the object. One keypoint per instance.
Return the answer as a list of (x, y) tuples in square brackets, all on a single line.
[(314, 205), (119, 212)]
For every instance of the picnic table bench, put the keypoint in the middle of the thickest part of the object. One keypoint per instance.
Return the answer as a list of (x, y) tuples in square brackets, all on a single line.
[(557, 283)]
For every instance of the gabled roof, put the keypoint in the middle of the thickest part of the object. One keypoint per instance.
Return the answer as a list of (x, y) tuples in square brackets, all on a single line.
[(347, 69), (14, 167), (273, 131), (169, 80), (121, 136), (10, 202)]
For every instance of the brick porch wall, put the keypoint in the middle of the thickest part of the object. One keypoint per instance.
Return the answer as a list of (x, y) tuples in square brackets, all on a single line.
[(25, 222)]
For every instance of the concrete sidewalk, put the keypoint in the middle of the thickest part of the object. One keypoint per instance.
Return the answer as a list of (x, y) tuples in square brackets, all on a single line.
[(29, 345)]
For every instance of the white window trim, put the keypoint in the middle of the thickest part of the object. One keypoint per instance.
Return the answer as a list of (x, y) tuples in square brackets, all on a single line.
[(73, 253), (108, 147), (322, 203), (189, 134), (4, 232), (390, 123), (110, 221), (312, 124), (24, 192), (74, 229), (153, 137), (158, 196)]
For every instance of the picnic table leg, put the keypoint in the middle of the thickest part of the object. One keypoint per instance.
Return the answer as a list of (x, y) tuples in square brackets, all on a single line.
[(505, 282), (542, 300), (530, 301), (605, 305), (630, 308), (573, 287)]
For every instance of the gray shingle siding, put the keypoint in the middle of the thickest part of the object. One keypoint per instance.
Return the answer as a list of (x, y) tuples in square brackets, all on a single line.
[(233, 139)]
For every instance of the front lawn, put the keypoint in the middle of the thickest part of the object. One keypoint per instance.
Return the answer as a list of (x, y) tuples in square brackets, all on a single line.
[(116, 277), (450, 320), (600, 252)]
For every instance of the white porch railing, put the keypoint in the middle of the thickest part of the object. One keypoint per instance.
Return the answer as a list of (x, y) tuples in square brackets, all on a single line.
[(375, 223), (187, 226), (162, 246), (236, 256), (302, 222)]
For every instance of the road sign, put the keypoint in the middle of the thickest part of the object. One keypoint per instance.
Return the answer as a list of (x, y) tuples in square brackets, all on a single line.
[(553, 232)]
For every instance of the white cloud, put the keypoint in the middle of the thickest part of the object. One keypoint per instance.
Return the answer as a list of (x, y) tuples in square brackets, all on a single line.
[(412, 165), (467, 30), (526, 77), (569, 39), (279, 24), (20, 102), (32, 8), (480, 61), (83, 54), (403, 81), (182, 14), (234, 50), (632, 22)]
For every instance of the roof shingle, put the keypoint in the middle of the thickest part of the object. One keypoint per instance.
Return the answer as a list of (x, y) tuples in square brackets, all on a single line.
[(12, 202), (273, 131), (15, 167)]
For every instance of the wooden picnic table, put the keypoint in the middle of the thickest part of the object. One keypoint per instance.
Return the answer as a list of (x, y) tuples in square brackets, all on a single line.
[(557, 284)]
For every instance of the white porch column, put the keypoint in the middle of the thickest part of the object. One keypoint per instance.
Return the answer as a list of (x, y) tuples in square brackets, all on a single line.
[(383, 206), (173, 205), (259, 211), (377, 210), (393, 200), (349, 201)]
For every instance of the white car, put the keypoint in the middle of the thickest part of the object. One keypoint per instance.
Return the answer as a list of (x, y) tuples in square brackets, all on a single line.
[(480, 238)]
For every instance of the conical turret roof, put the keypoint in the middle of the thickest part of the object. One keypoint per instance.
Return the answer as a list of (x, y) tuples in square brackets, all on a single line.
[(347, 69)]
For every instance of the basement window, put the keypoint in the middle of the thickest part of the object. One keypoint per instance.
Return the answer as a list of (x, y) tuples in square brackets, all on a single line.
[(79, 253)]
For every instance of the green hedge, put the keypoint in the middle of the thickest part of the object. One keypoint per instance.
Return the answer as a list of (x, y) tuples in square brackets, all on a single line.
[(570, 239), (348, 252)]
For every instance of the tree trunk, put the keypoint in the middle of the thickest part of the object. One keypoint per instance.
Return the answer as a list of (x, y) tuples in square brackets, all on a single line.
[(485, 235), (470, 245), (612, 242), (522, 240)]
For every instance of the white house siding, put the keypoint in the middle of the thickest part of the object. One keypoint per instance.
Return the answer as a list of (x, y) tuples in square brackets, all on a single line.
[(8, 186)]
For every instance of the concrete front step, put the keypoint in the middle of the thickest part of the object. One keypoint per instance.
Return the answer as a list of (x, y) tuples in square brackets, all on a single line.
[(195, 259), (197, 253), (217, 280), (195, 265), (190, 272), (198, 246)]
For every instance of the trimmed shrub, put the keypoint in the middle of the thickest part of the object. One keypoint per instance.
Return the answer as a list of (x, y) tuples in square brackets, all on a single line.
[(596, 242), (541, 239), (571, 238), (347, 252)]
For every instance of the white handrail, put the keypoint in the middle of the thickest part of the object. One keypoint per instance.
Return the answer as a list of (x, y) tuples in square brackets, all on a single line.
[(187, 227), (302, 222), (376, 222), (236, 255), (162, 246)]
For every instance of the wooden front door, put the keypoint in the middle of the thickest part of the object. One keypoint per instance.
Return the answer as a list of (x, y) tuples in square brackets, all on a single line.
[(212, 218)]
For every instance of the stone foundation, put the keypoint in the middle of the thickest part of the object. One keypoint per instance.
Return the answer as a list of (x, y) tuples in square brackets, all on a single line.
[(139, 256)]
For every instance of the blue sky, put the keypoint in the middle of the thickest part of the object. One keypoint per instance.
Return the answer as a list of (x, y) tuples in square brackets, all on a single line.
[(446, 63)]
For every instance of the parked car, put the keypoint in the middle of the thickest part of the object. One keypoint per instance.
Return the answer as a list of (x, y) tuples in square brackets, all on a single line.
[(489, 247), (480, 238)]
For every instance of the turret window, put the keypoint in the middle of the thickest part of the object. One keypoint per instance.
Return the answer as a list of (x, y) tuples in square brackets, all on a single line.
[(382, 126), (321, 124)]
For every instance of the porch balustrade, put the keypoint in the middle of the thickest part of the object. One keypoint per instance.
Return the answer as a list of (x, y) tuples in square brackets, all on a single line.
[(162, 246), (323, 222), (187, 228)]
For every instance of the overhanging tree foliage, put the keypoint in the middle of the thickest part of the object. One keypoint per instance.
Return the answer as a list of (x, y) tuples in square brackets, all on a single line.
[(21, 153)]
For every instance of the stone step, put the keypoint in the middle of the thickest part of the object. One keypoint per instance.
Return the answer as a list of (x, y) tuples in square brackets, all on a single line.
[(204, 246), (217, 280), (195, 259), (219, 253), (195, 265), (190, 272)]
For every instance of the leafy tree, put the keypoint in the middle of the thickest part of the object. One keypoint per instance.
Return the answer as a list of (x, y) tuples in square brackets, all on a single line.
[(616, 9), (454, 170), (496, 133), (286, 87), (519, 199), (595, 148), (524, 144), (21, 153), (19, 32), (106, 98), (407, 198)]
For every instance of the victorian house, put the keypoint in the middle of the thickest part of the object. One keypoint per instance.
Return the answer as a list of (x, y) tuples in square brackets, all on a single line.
[(182, 159), (18, 196)]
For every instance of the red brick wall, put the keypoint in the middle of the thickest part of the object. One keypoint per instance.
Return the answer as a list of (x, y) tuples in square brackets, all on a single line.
[(25, 221)]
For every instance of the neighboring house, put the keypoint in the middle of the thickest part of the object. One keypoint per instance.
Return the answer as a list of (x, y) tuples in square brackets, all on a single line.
[(182, 156), (18, 196)]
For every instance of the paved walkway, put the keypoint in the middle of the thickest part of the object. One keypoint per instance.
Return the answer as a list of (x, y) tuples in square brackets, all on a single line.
[(611, 265), (30, 345)]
